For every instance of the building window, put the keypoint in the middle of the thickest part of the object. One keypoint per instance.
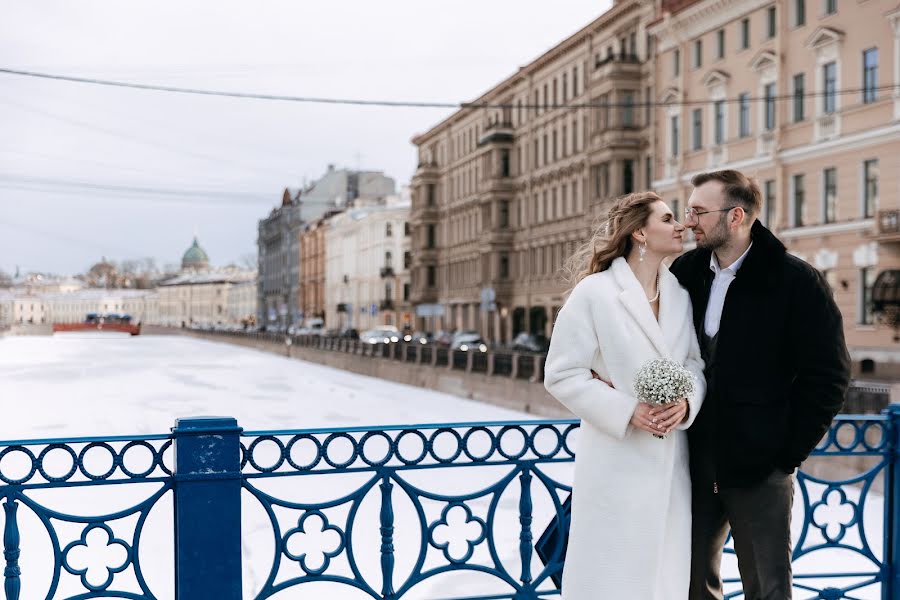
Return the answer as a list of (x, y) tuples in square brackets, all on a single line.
[(830, 7), (407, 230), (720, 43), (407, 259), (389, 230), (870, 193), (574, 81), (504, 214), (829, 76), (719, 111), (555, 146), (745, 33), (744, 114), (770, 106), (799, 199), (504, 265), (799, 13), (504, 163), (676, 62), (698, 54), (697, 128), (546, 153), (870, 75), (829, 194), (388, 260), (799, 97), (771, 22), (769, 210), (406, 292), (864, 310), (431, 240), (674, 133), (628, 108), (674, 206), (430, 195), (627, 176), (648, 173), (431, 276)]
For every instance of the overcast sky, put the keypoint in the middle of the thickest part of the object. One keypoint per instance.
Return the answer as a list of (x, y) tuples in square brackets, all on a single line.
[(56, 136)]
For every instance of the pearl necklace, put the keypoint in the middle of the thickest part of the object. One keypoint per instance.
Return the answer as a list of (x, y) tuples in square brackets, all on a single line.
[(656, 297)]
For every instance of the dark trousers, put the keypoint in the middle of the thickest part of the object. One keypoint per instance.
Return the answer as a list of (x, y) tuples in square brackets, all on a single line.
[(760, 519)]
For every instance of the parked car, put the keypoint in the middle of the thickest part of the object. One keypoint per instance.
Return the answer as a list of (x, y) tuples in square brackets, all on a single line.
[(529, 342), (443, 338), (349, 333), (384, 334), (469, 342), (420, 337)]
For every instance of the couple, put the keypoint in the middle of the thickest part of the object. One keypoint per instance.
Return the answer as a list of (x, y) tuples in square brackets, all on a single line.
[(650, 516)]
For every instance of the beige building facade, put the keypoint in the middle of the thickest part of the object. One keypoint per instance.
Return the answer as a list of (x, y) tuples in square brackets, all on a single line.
[(202, 298), (804, 96), (503, 194), (366, 281)]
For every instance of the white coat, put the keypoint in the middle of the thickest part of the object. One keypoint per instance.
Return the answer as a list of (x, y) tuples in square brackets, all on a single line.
[(630, 536)]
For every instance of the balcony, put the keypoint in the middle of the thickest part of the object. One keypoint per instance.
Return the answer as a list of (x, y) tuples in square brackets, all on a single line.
[(497, 133), (427, 168), (386, 305), (888, 226), (387, 272), (618, 66)]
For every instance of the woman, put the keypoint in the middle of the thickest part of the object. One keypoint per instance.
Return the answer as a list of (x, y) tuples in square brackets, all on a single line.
[(630, 534)]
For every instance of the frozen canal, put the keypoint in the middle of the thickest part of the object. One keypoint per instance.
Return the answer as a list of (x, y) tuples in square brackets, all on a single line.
[(67, 386), (70, 385)]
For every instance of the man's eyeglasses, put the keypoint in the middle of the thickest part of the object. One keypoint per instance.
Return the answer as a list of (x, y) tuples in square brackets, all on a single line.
[(692, 213)]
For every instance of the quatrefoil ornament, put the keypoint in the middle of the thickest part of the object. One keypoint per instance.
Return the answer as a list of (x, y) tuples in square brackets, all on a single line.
[(96, 553), (314, 541), (455, 528), (834, 514)]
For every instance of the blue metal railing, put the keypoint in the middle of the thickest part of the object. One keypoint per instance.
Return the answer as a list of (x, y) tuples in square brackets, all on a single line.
[(448, 511)]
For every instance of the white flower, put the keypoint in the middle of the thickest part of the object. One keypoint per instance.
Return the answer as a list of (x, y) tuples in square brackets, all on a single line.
[(661, 381)]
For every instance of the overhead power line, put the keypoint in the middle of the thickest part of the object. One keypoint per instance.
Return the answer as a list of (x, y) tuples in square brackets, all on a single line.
[(424, 104), (47, 185)]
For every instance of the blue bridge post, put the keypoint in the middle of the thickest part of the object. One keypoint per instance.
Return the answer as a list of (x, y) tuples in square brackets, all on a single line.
[(207, 509), (891, 586)]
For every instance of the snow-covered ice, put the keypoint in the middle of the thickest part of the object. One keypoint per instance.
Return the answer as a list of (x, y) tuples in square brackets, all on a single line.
[(85, 385)]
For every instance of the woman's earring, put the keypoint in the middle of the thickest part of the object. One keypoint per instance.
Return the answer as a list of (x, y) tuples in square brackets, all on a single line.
[(643, 250)]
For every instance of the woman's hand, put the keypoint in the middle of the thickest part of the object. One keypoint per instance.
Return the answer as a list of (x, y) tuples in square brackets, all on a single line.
[(644, 419), (667, 416)]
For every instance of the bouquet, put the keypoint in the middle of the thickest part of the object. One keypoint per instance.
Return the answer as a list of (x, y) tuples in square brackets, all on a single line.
[(663, 381)]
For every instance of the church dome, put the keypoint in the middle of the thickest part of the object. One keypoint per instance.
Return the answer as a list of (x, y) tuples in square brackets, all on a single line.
[(195, 258)]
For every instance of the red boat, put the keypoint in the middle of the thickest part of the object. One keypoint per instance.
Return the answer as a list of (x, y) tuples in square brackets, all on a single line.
[(98, 322)]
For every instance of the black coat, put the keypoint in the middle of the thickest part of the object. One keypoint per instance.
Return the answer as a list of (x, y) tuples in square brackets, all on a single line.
[(780, 370)]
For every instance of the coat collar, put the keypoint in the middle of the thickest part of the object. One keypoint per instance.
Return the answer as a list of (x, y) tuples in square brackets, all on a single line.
[(760, 265), (634, 299)]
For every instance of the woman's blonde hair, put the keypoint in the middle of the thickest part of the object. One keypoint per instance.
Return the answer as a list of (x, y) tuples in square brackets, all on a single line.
[(611, 239)]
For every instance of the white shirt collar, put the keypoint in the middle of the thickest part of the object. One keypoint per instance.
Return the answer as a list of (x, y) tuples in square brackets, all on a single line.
[(714, 262)]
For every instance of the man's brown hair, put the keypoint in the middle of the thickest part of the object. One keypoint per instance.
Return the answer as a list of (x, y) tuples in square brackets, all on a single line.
[(739, 189)]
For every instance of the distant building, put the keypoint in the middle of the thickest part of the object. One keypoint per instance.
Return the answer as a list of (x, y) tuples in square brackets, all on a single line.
[(195, 258), (72, 307), (278, 238), (312, 268), (367, 266), (204, 298)]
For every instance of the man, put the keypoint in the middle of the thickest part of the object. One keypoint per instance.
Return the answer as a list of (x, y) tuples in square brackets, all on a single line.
[(777, 370)]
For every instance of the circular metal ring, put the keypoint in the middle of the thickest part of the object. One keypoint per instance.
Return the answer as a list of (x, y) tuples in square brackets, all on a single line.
[(24, 450), (537, 430), (421, 437), (88, 448), (252, 449), (153, 463), (435, 435), (336, 436), (503, 431), (491, 450), (362, 448), (290, 449), (48, 450)]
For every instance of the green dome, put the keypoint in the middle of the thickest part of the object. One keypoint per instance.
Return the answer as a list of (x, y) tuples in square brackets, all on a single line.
[(195, 257)]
